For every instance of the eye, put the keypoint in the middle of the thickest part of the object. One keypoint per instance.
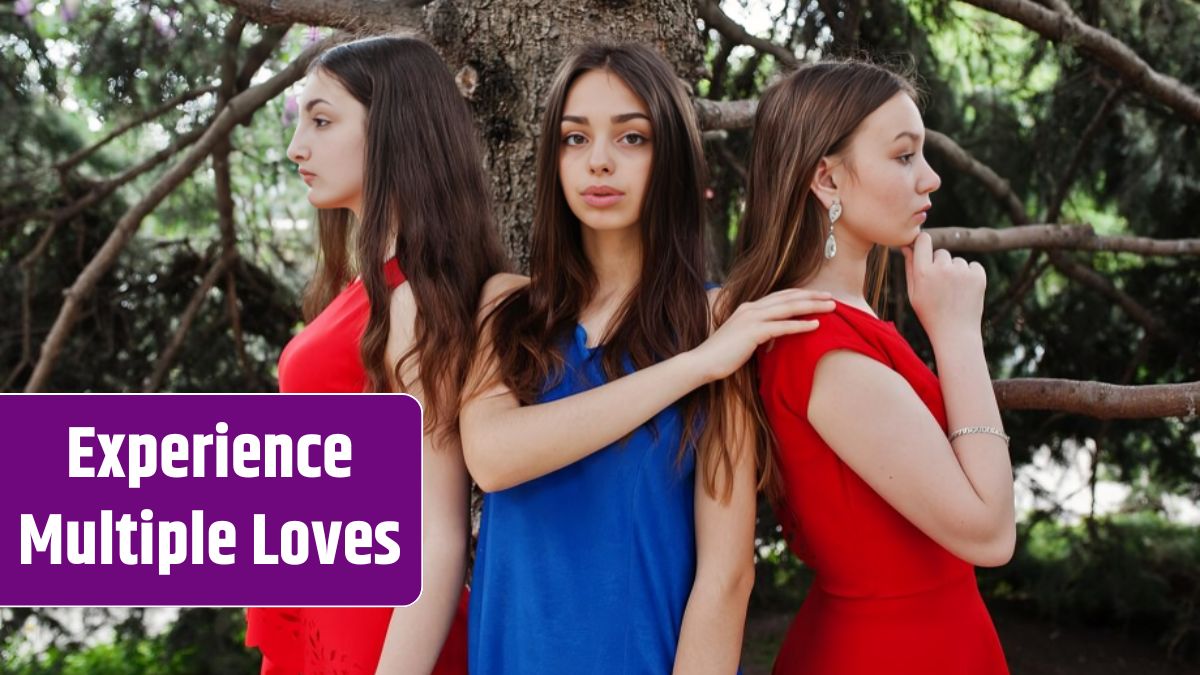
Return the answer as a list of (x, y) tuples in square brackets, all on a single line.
[(906, 159), (574, 138), (320, 122), (634, 138)]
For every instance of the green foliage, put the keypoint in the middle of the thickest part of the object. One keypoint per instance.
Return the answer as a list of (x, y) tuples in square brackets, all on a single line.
[(1138, 572), (75, 79), (200, 642)]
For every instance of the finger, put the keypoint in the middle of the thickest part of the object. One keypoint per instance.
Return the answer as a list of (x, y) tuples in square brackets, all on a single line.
[(798, 292), (922, 251), (941, 256), (979, 270), (906, 251), (790, 295), (796, 308), (780, 328), (959, 263)]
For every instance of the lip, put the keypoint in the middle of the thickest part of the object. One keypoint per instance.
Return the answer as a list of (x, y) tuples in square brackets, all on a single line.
[(923, 213), (601, 196), (307, 176)]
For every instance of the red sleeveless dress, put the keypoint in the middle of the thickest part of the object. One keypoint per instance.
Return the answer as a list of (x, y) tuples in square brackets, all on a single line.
[(885, 598), (324, 358)]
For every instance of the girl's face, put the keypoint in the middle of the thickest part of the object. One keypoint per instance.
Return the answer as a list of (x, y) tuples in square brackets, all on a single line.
[(606, 151), (884, 181), (329, 144)]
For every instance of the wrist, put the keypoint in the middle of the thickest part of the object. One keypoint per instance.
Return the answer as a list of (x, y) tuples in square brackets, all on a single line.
[(956, 335), (694, 369)]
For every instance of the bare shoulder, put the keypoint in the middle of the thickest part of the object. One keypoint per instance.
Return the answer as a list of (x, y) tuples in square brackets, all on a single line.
[(403, 305), (714, 296), (500, 286)]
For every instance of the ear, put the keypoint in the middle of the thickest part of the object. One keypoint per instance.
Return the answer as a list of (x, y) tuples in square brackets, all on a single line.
[(824, 182)]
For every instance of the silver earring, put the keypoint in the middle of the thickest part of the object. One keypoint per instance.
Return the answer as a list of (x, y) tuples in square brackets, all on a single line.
[(835, 212)]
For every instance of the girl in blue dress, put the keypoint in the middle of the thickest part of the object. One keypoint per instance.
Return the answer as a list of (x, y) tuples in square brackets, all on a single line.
[(618, 516)]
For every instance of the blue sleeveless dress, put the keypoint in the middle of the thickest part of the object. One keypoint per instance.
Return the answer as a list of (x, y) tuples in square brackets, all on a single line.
[(588, 569)]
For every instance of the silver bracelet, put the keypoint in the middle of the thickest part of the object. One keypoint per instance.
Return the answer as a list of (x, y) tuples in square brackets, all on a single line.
[(980, 430)]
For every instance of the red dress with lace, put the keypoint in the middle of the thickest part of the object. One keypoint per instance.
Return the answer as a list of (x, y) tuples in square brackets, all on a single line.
[(324, 358)]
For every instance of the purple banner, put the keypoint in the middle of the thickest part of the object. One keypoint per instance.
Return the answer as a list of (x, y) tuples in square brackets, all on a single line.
[(219, 500)]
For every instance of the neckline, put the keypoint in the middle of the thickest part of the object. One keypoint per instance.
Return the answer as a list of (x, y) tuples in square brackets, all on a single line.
[(392, 274), (863, 312), (581, 339)]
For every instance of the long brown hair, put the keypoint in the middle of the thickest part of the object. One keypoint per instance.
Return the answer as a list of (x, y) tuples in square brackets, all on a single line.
[(810, 114), (667, 312), (425, 201)]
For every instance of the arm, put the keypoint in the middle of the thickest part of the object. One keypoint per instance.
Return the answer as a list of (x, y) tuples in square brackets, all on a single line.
[(960, 495), (416, 633), (710, 639), (905, 457), (506, 444)]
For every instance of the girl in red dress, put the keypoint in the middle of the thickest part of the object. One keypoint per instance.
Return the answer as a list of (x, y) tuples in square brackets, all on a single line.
[(386, 144), (892, 483)]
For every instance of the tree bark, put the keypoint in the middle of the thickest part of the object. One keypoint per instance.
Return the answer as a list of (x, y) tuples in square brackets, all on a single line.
[(374, 16), (1100, 399), (1053, 236)]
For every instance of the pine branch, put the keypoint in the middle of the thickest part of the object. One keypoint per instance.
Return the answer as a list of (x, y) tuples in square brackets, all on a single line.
[(153, 114), (1108, 50), (715, 18), (239, 109)]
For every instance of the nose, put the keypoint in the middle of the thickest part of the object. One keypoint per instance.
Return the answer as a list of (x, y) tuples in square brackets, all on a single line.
[(929, 180), (297, 150), (599, 160)]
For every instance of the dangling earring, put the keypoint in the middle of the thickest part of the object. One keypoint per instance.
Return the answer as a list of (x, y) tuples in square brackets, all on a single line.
[(835, 212)]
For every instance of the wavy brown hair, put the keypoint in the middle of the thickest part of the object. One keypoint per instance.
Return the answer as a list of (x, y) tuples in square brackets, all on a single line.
[(426, 202), (812, 113), (667, 312)]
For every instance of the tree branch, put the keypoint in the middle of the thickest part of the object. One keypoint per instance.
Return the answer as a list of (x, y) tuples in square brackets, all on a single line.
[(259, 52), (1073, 237), (240, 108), (710, 11), (1099, 399), (82, 154), (963, 161), (715, 115), (1087, 276), (224, 197), (106, 187), (1069, 268), (167, 357), (1069, 29), (720, 68), (1030, 272), (229, 51), (1085, 139), (348, 15)]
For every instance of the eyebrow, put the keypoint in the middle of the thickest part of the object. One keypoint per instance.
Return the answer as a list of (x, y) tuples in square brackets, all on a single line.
[(911, 134), (618, 119), (309, 106)]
